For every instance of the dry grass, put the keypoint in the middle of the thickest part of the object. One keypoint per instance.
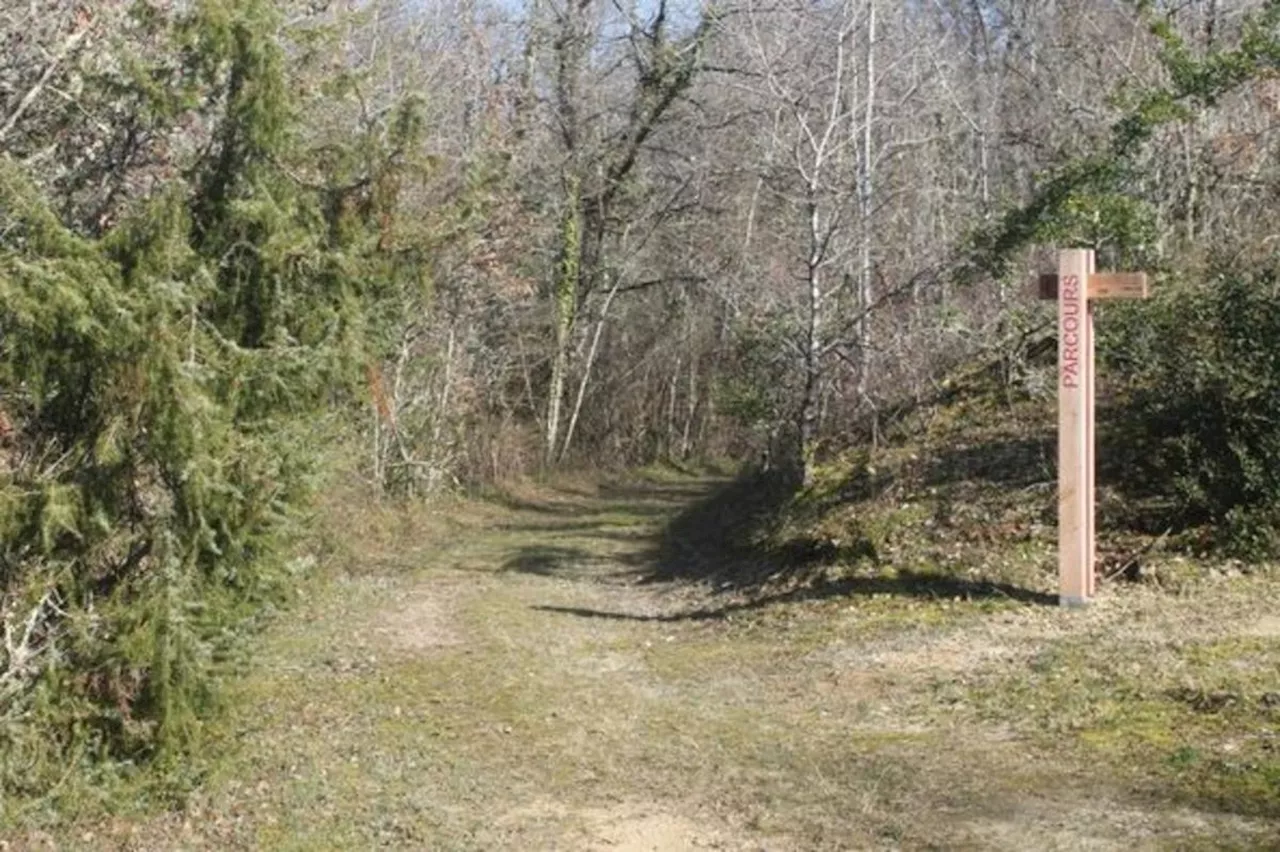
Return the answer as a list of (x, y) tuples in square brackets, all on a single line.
[(509, 675)]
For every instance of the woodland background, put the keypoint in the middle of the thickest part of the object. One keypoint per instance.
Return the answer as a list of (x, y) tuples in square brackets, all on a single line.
[(247, 247)]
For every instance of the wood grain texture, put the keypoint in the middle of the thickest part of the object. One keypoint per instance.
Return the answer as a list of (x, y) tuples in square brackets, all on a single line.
[(1074, 384), (1102, 285)]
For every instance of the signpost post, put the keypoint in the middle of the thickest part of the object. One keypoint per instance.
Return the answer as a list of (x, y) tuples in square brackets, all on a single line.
[(1076, 286)]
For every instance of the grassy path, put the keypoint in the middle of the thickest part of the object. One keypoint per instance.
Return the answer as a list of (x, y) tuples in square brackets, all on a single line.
[(510, 683)]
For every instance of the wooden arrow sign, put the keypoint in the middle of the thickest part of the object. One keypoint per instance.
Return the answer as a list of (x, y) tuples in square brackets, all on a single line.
[(1102, 285), (1075, 287)]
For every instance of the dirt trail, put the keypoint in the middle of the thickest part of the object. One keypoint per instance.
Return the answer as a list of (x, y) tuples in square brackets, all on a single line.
[(520, 686)]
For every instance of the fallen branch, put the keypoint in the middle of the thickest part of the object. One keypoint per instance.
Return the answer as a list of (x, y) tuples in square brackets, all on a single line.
[(21, 643), (1132, 559)]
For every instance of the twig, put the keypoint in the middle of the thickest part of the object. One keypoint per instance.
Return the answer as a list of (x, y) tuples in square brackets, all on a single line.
[(29, 98), (1133, 557), (19, 652)]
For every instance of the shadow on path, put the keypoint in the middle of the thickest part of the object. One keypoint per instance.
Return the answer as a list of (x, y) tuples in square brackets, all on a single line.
[(905, 584), (723, 538), (718, 539)]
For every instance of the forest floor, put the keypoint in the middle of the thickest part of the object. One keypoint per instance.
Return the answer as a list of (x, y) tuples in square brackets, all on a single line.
[(519, 674)]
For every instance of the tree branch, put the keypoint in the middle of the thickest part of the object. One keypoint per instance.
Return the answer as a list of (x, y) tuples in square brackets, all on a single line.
[(72, 42)]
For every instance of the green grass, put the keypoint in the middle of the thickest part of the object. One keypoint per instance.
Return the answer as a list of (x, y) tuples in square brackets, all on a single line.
[(1185, 711), (446, 689)]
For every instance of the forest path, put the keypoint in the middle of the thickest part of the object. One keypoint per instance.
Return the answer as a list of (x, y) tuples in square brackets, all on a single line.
[(517, 684)]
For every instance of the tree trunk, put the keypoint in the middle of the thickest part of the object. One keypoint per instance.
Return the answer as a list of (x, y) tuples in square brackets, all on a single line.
[(564, 303), (691, 409), (813, 344), (865, 199), (586, 369)]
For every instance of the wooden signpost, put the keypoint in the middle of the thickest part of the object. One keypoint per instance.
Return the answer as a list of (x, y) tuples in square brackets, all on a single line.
[(1076, 287)]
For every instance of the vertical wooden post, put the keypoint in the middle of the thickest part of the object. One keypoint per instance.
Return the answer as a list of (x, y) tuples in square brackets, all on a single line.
[(1091, 441), (1075, 368), (1076, 287)]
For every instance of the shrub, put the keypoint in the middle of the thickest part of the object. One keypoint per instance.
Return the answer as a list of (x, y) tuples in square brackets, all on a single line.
[(1205, 358), (161, 390)]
